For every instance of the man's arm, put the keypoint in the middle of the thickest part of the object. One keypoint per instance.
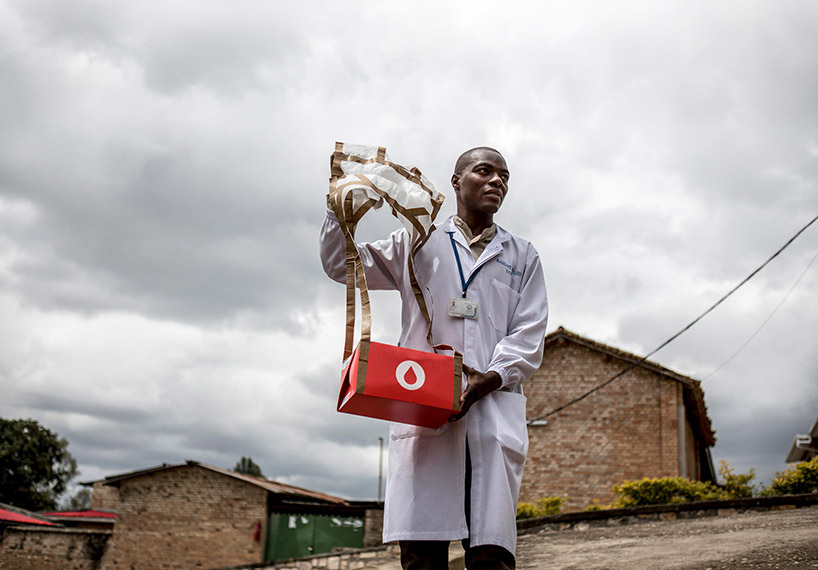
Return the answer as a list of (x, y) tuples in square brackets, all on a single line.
[(517, 356), (382, 260)]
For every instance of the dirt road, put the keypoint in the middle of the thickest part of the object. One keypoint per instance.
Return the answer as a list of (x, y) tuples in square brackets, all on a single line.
[(753, 540)]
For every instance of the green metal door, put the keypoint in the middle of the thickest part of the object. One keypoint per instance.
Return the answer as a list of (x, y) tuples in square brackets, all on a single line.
[(294, 536)]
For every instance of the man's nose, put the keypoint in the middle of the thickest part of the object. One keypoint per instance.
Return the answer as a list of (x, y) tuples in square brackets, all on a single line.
[(497, 180)]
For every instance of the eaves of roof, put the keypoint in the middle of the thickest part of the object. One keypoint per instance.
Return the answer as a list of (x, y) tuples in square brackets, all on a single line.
[(81, 514), (801, 451), (275, 487), (693, 393), (13, 515), (281, 490), (85, 517)]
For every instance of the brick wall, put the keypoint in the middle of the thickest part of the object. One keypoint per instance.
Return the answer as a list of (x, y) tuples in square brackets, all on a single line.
[(104, 497), (373, 528), (627, 430), (52, 549), (186, 517)]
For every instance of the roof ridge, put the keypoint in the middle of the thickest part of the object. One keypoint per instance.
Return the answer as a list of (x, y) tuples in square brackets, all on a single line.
[(562, 332)]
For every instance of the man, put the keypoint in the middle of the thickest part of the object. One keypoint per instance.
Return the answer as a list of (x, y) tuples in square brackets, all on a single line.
[(461, 481)]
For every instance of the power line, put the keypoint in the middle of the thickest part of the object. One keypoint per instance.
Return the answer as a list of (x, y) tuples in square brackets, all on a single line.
[(767, 320), (678, 334)]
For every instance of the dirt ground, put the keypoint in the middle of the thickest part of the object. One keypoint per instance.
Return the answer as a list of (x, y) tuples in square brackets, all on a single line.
[(752, 540), (786, 539)]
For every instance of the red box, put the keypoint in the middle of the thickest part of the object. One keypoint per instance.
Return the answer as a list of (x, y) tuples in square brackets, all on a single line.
[(401, 385)]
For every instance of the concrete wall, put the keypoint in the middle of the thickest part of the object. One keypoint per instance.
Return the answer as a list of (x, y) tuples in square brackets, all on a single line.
[(386, 556), (28, 548), (187, 517), (625, 431)]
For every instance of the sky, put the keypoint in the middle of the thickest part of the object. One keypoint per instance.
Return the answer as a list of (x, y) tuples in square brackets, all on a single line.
[(163, 168)]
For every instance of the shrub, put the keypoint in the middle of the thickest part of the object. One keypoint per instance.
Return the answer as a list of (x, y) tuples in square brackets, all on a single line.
[(736, 486), (595, 506), (664, 491), (799, 478), (542, 507)]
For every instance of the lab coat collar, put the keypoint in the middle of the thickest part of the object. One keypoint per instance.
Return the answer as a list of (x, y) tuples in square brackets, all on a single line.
[(494, 247), (449, 227)]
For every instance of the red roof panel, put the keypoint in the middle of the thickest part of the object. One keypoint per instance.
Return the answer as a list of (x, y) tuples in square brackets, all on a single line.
[(13, 517), (82, 514)]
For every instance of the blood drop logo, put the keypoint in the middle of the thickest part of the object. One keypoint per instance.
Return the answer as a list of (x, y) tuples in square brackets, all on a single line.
[(410, 375)]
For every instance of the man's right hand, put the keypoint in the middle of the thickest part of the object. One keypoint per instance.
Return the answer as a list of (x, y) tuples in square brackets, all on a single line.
[(479, 385)]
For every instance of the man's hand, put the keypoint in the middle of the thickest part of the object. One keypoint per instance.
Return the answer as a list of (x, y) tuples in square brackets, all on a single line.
[(479, 385)]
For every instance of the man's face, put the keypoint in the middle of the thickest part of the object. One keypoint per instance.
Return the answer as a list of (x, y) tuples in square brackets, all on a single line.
[(482, 185)]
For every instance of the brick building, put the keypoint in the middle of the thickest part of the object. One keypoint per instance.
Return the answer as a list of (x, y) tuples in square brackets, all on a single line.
[(197, 515), (30, 541), (649, 422), (190, 515)]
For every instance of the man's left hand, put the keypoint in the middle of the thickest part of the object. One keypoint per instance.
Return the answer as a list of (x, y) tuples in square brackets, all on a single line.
[(479, 384)]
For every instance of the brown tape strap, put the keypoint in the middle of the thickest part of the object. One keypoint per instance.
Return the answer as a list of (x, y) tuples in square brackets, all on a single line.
[(348, 219), (363, 363), (354, 273), (413, 174), (458, 375)]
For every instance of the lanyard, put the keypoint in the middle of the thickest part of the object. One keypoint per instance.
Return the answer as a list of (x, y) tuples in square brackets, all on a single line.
[(463, 281)]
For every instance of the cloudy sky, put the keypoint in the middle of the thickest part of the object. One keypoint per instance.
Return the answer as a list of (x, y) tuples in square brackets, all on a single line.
[(163, 167)]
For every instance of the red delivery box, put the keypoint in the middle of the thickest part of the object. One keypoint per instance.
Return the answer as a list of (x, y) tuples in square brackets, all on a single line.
[(401, 385)]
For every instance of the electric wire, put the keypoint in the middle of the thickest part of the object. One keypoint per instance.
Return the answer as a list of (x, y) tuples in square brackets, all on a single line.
[(767, 320), (642, 359)]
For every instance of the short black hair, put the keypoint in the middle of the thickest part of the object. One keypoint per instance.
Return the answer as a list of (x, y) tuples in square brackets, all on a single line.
[(463, 159)]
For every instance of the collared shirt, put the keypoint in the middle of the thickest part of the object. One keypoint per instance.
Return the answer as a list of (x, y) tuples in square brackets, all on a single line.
[(476, 243)]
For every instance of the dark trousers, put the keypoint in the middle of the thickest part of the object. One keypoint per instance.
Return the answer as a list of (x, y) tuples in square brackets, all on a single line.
[(434, 554)]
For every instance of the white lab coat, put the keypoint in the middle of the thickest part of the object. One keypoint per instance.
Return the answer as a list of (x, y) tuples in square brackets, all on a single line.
[(426, 478)]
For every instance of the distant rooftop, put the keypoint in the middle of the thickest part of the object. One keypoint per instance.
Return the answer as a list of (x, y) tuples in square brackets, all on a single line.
[(14, 515), (805, 446)]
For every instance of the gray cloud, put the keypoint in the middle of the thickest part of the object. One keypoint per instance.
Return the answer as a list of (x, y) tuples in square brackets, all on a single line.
[(162, 173)]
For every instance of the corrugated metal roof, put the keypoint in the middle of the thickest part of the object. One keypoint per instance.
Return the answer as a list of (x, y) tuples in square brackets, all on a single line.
[(18, 518), (274, 486), (88, 514), (281, 489)]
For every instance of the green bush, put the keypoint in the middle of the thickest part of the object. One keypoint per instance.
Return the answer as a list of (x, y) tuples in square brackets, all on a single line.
[(736, 486), (542, 507), (595, 506), (799, 478), (664, 491)]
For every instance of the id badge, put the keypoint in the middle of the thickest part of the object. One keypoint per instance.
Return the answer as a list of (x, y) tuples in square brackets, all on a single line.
[(462, 308)]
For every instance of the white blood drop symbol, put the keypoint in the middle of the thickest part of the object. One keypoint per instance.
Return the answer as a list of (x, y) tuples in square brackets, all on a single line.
[(406, 366)]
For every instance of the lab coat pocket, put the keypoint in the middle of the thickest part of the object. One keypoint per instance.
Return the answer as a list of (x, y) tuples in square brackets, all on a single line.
[(503, 303), (512, 433), (399, 431)]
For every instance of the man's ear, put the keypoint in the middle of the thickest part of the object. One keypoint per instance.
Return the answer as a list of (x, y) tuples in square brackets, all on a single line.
[(456, 181)]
